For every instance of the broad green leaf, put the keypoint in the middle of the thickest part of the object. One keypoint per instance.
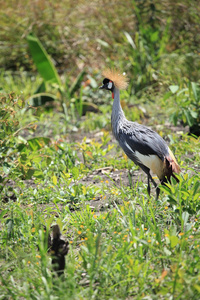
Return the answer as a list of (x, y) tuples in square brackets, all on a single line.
[(3, 213), (185, 217), (54, 179), (166, 96), (22, 147), (189, 118), (37, 159), (48, 161), (84, 190), (196, 196), (77, 83), (174, 118), (59, 222), (10, 226), (154, 36), (174, 241), (172, 200), (181, 273), (41, 88), (194, 114), (196, 90), (188, 227), (75, 173), (37, 143), (42, 60), (173, 88), (29, 173), (38, 174), (197, 287), (20, 103)]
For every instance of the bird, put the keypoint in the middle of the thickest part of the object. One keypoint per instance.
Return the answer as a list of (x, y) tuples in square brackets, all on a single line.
[(58, 249), (145, 147)]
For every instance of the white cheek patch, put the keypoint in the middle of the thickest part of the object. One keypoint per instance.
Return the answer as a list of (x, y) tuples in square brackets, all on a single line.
[(110, 85)]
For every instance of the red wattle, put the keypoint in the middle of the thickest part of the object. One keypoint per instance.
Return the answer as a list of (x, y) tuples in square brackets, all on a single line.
[(113, 95)]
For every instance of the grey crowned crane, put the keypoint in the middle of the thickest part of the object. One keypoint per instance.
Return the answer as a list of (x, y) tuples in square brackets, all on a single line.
[(145, 147)]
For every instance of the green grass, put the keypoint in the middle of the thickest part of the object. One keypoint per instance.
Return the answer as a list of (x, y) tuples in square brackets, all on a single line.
[(127, 246)]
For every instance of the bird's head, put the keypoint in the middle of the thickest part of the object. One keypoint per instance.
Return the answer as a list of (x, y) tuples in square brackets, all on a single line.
[(107, 85), (113, 78)]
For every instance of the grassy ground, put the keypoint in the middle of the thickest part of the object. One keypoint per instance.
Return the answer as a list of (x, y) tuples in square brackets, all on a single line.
[(60, 163), (123, 244)]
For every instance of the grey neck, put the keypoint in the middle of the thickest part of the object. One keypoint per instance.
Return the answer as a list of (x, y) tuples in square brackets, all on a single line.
[(117, 113)]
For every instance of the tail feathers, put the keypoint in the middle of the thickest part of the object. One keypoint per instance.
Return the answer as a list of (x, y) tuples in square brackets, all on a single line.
[(171, 167)]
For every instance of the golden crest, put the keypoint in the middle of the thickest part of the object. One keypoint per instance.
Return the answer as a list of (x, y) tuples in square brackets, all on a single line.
[(120, 80)]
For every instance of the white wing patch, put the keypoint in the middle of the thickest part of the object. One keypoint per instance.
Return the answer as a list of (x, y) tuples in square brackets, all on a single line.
[(153, 162), (127, 145)]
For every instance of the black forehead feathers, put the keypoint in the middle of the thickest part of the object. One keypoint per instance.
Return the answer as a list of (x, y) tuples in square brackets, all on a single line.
[(106, 80)]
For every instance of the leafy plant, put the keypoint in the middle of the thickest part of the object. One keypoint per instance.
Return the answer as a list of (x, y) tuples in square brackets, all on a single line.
[(187, 106), (185, 197), (145, 51), (19, 157), (50, 76)]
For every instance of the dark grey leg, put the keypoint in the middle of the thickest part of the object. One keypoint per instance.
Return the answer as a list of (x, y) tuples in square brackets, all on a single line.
[(156, 186), (148, 187), (157, 192)]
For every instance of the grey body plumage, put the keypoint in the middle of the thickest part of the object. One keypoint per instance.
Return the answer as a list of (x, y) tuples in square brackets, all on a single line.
[(133, 136)]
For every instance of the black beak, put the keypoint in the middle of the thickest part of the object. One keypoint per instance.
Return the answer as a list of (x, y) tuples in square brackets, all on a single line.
[(102, 87)]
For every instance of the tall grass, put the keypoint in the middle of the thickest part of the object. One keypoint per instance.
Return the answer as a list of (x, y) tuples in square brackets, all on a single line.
[(78, 33)]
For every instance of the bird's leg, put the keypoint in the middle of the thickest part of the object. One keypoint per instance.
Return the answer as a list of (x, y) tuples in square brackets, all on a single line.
[(155, 184), (157, 192), (148, 187)]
